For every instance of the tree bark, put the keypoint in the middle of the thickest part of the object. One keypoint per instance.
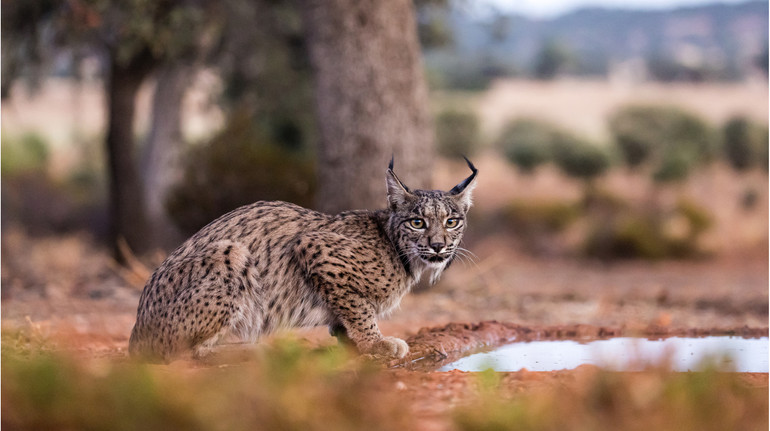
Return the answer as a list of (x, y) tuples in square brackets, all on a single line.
[(161, 160), (126, 203), (371, 99)]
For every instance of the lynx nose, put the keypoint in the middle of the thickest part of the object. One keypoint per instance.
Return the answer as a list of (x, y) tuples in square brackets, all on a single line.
[(437, 246)]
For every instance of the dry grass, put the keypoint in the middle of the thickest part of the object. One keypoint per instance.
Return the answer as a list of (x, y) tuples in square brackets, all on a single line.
[(584, 105)]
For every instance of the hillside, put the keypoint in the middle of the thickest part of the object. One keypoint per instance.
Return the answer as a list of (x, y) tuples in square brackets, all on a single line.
[(716, 41)]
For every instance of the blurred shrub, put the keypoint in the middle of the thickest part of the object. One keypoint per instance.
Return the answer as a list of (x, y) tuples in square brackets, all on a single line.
[(647, 234), (606, 400), (44, 204), (744, 143), (540, 225), (28, 152), (432, 31), (456, 73), (286, 387), (671, 139), (608, 228), (674, 166), (749, 198), (527, 143), (580, 159), (457, 133), (239, 166), (553, 58), (541, 216)]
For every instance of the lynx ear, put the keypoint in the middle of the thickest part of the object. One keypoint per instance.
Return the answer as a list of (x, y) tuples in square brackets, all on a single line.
[(398, 193), (463, 192)]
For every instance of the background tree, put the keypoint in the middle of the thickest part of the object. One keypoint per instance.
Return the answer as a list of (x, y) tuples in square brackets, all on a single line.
[(370, 94), (163, 151), (133, 39), (552, 59), (669, 139), (138, 38), (371, 99), (264, 151), (744, 143), (528, 143)]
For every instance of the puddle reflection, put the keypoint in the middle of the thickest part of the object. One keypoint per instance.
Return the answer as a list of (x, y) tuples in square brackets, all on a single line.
[(623, 354)]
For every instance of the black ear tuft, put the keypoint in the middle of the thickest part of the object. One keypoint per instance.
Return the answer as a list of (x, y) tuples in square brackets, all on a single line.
[(460, 187), (398, 193), (470, 165)]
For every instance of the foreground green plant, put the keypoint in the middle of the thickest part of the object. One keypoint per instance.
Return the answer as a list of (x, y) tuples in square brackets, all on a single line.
[(656, 400), (284, 387)]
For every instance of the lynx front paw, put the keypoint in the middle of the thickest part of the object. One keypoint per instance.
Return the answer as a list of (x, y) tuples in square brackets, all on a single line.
[(388, 347)]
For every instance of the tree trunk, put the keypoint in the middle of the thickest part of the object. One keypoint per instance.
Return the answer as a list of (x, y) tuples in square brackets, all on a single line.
[(371, 99), (126, 204), (161, 161)]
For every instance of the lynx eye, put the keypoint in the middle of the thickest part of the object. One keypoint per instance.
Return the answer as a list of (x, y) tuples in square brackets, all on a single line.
[(417, 223), (452, 223)]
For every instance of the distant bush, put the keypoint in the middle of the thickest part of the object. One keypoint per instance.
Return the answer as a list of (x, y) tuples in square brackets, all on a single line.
[(611, 228), (744, 143), (45, 204), (674, 166), (527, 143), (238, 166), (552, 59), (540, 225), (541, 216), (643, 234), (457, 133), (672, 140), (457, 73), (579, 158), (28, 152)]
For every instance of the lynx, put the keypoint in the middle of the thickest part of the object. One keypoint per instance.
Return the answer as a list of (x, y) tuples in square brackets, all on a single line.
[(273, 265)]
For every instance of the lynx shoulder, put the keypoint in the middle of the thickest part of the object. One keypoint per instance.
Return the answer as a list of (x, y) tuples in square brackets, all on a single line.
[(273, 265)]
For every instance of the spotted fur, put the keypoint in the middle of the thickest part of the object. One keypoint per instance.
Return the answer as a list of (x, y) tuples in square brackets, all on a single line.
[(273, 265)]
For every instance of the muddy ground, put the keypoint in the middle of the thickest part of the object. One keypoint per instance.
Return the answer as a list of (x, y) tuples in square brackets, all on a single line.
[(67, 293)]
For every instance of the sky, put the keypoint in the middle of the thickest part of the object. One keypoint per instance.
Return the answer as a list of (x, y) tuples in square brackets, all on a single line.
[(552, 8)]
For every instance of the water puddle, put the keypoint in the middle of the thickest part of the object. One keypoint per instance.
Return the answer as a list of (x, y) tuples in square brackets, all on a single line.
[(624, 354)]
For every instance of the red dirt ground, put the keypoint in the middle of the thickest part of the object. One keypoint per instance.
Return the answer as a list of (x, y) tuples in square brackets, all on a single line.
[(85, 304)]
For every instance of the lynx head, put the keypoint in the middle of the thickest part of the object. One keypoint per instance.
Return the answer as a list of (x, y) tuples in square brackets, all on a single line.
[(426, 226)]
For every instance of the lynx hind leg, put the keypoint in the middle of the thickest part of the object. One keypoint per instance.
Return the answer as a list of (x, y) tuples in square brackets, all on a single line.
[(205, 306), (217, 305)]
